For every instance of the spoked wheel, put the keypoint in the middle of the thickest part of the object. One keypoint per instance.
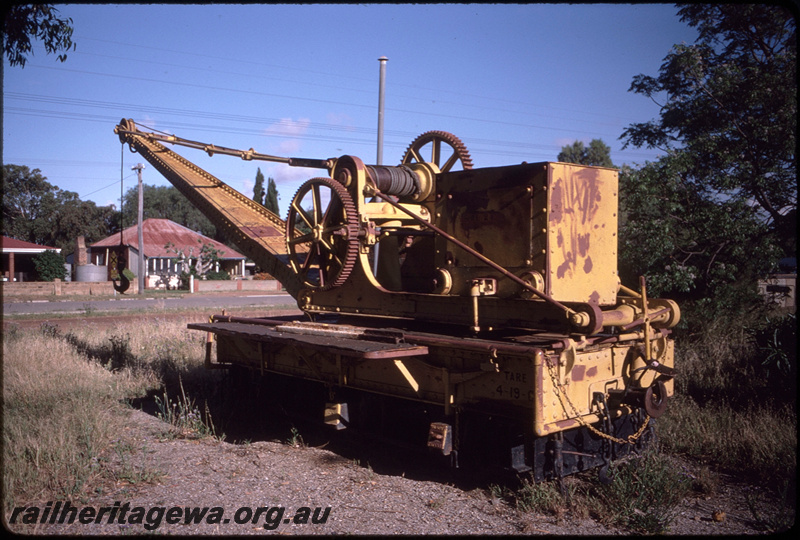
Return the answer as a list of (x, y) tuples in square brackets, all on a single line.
[(442, 148), (322, 233)]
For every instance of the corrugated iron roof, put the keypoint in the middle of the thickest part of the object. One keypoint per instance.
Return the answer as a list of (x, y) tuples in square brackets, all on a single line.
[(157, 233)]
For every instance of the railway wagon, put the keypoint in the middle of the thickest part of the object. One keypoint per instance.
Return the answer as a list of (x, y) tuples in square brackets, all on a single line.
[(476, 311)]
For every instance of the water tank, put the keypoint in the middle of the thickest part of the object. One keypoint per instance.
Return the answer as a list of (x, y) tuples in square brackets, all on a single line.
[(91, 272)]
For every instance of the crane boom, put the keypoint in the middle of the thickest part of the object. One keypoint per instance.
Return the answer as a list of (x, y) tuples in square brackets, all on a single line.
[(256, 231)]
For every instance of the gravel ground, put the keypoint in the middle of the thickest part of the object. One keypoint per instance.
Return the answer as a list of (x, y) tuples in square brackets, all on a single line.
[(207, 472)]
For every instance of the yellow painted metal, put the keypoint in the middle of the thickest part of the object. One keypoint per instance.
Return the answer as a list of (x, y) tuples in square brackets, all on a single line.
[(552, 387), (582, 233), (256, 231), (571, 378)]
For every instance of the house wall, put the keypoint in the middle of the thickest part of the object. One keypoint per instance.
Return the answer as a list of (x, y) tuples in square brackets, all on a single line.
[(780, 289)]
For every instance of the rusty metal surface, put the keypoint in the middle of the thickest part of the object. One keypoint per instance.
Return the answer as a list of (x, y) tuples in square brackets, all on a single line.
[(582, 234), (331, 343), (157, 233)]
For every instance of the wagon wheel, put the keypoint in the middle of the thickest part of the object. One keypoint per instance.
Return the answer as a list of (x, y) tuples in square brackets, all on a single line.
[(430, 143), (322, 233)]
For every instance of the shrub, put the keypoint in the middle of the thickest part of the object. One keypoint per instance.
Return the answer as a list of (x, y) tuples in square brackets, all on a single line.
[(219, 275), (776, 343), (50, 265), (644, 494)]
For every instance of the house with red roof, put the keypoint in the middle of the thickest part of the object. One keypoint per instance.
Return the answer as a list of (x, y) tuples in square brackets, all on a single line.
[(168, 249), (18, 257)]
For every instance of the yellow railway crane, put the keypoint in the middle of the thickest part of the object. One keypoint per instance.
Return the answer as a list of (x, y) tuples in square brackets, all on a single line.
[(487, 300)]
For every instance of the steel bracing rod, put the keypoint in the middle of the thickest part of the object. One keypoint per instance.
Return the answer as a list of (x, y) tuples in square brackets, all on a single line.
[(247, 155), (218, 202), (474, 253)]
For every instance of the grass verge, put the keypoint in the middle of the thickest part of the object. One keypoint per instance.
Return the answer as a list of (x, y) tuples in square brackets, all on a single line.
[(65, 397)]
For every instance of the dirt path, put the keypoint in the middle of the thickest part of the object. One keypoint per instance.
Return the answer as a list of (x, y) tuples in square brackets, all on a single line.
[(167, 471)]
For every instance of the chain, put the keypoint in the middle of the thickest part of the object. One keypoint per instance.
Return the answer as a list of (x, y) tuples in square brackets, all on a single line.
[(558, 389)]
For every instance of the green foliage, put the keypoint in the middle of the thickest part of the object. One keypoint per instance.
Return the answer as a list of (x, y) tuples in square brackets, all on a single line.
[(38, 21), (729, 112), (704, 222), (36, 211), (644, 494), (165, 202), (258, 188), (597, 153), (50, 265), (705, 252), (220, 275), (776, 343), (271, 198)]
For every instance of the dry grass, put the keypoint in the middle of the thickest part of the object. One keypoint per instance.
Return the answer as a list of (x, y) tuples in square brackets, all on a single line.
[(65, 393), (58, 414)]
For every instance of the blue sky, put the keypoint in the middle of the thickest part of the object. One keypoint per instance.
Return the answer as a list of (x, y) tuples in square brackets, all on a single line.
[(514, 82)]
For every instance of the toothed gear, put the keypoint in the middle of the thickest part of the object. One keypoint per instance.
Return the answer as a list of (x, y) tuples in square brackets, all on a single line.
[(436, 138), (330, 234)]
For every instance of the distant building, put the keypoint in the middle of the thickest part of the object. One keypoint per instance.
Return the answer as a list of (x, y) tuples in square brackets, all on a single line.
[(18, 258), (164, 242)]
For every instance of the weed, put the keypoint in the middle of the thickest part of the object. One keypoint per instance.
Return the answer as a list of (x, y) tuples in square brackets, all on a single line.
[(643, 495), (760, 442), (437, 503), (58, 413), (184, 415), (130, 473), (11, 333), (295, 440), (49, 330), (542, 497)]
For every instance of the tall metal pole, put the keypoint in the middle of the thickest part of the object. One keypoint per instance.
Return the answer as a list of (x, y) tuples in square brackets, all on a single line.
[(383, 61), (141, 270), (379, 158)]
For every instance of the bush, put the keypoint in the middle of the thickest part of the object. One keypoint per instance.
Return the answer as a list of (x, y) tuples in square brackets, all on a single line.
[(220, 275), (776, 342), (50, 265), (644, 495)]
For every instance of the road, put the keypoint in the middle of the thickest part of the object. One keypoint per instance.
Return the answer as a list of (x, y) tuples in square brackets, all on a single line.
[(189, 301)]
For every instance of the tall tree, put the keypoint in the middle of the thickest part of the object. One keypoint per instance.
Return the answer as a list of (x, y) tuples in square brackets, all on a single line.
[(271, 199), (38, 21), (729, 106), (598, 153), (258, 188), (165, 202), (36, 211), (707, 219), (689, 246)]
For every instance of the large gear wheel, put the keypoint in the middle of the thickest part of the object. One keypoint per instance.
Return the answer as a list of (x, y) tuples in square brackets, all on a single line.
[(322, 233), (430, 143)]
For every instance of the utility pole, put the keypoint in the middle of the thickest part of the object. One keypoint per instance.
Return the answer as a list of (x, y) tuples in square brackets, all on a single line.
[(141, 269), (381, 85), (379, 158)]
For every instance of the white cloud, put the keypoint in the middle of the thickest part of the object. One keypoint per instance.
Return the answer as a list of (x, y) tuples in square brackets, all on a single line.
[(342, 120), (247, 186), (291, 131)]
